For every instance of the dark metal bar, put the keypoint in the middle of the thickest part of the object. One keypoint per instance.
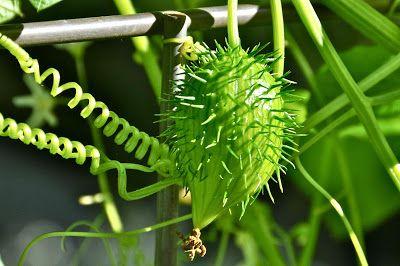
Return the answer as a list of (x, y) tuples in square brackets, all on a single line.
[(175, 26), (108, 27)]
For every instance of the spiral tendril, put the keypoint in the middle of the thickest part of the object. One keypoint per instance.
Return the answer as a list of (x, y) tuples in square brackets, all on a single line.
[(159, 157), (69, 149), (62, 146)]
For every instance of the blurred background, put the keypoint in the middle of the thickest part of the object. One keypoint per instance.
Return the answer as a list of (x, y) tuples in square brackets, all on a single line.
[(39, 193)]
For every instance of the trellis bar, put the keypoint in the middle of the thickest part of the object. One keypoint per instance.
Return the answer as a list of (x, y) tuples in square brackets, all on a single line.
[(111, 27)]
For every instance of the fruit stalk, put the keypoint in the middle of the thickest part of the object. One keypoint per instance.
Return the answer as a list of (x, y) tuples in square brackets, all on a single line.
[(233, 29)]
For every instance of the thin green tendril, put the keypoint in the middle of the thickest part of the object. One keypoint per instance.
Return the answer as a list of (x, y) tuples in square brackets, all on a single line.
[(335, 204), (99, 235), (90, 225)]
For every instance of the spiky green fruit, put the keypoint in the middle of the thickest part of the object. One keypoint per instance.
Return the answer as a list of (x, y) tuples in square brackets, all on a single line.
[(229, 125)]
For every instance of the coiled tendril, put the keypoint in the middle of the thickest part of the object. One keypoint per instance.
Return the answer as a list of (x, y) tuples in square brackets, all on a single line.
[(69, 149), (159, 155), (62, 146)]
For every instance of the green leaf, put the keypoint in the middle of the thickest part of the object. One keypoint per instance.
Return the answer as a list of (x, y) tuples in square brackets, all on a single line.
[(9, 9), (43, 4)]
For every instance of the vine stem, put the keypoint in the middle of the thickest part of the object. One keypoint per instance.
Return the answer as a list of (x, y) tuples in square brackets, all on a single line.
[(314, 220), (376, 100), (341, 101), (359, 101), (335, 204), (344, 168), (315, 216), (233, 29), (100, 235), (223, 245), (278, 35), (145, 54)]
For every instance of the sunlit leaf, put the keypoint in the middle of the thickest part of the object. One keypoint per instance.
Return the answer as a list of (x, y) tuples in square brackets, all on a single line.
[(9, 9), (43, 4)]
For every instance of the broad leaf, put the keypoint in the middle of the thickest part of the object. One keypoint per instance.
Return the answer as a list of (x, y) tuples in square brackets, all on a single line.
[(9, 9), (43, 4)]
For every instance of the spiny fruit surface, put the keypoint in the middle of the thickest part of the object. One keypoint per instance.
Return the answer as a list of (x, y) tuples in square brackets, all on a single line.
[(228, 130)]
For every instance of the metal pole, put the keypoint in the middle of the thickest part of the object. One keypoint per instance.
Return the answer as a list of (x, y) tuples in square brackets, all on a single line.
[(108, 27), (175, 26)]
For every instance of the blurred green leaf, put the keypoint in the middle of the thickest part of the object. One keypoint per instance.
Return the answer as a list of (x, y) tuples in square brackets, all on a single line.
[(41, 102), (43, 4), (9, 9)]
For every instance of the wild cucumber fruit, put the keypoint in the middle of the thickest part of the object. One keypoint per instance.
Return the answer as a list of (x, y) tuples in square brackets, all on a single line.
[(228, 131)]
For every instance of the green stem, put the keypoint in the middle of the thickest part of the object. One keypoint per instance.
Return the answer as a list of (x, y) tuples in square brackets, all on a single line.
[(266, 240), (315, 218), (94, 228), (146, 55), (109, 205), (376, 100), (223, 245), (303, 64), (278, 35), (98, 221), (314, 221), (341, 101), (314, 224), (287, 244), (358, 99), (100, 235), (350, 193), (338, 209), (326, 130), (233, 29), (394, 5)]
